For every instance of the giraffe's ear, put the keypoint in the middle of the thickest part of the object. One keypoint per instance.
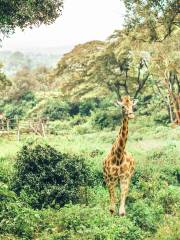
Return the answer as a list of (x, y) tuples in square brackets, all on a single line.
[(135, 102)]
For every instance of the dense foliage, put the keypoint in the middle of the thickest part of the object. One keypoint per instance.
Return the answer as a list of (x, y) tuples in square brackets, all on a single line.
[(44, 177), (55, 190), (27, 13), (152, 203), (157, 19)]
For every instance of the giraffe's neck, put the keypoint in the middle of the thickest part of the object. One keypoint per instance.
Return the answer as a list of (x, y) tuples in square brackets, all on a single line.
[(122, 136)]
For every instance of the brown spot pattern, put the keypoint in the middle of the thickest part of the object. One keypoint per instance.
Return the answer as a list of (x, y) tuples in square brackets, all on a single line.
[(118, 164)]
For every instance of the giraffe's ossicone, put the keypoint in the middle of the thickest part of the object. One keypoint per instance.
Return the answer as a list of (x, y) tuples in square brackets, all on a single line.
[(118, 166)]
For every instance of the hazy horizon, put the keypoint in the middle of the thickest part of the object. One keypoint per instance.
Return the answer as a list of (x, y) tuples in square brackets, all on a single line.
[(80, 22)]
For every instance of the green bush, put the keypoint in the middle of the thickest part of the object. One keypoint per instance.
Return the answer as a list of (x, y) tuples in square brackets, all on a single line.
[(18, 108), (28, 97), (169, 230), (82, 129), (45, 177), (73, 108), (15, 218), (161, 117), (169, 198), (14, 111), (79, 222), (4, 174), (145, 216), (171, 174), (104, 119), (56, 110), (78, 120), (87, 106), (56, 127)]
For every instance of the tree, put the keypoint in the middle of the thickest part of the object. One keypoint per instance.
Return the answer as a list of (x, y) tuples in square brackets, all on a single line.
[(42, 78), (103, 67), (72, 71), (165, 70), (26, 13), (22, 82), (157, 19), (120, 67), (4, 81)]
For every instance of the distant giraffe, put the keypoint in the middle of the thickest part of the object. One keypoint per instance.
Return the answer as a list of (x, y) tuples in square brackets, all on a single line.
[(119, 165)]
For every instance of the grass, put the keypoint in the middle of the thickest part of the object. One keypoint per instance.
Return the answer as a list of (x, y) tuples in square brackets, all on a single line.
[(142, 141), (156, 150)]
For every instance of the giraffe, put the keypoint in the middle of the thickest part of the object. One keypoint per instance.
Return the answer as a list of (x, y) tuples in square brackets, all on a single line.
[(118, 166)]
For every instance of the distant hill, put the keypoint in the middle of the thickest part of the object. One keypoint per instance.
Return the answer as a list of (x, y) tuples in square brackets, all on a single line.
[(34, 57)]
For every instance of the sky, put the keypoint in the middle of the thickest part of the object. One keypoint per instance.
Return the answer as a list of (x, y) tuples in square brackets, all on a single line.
[(81, 21)]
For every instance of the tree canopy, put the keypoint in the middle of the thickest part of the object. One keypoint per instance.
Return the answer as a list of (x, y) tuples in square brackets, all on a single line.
[(26, 13), (113, 66), (73, 70), (157, 19)]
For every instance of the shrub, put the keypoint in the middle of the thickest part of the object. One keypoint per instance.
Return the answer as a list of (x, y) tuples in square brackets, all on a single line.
[(56, 110), (170, 230), (145, 216), (19, 108), (106, 119), (73, 108), (15, 218), (79, 222), (14, 110), (4, 173), (28, 97), (78, 120), (83, 107), (56, 127), (169, 199), (45, 177), (82, 129), (171, 174), (3, 176), (6, 195), (88, 105), (161, 117)]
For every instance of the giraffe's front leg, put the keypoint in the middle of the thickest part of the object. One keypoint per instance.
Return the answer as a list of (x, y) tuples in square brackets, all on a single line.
[(124, 184), (111, 188)]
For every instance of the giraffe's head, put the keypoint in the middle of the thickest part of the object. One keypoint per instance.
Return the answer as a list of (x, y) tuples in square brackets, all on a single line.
[(127, 106)]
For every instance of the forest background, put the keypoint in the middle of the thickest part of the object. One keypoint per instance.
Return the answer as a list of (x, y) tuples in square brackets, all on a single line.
[(52, 187)]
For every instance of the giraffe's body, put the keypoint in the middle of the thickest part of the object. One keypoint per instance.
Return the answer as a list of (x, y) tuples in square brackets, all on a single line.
[(118, 166)]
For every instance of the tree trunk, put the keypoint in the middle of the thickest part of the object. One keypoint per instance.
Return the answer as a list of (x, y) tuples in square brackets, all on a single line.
[(170, 110)]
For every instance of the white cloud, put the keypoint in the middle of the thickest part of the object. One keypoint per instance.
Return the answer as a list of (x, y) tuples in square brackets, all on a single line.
[(82, 20)]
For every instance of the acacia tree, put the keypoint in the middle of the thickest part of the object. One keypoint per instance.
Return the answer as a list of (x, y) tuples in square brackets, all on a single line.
[(25, 13), (120, 67), (159, 22), (165, 69), (72, 71), (104, 67), (157, 19)]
